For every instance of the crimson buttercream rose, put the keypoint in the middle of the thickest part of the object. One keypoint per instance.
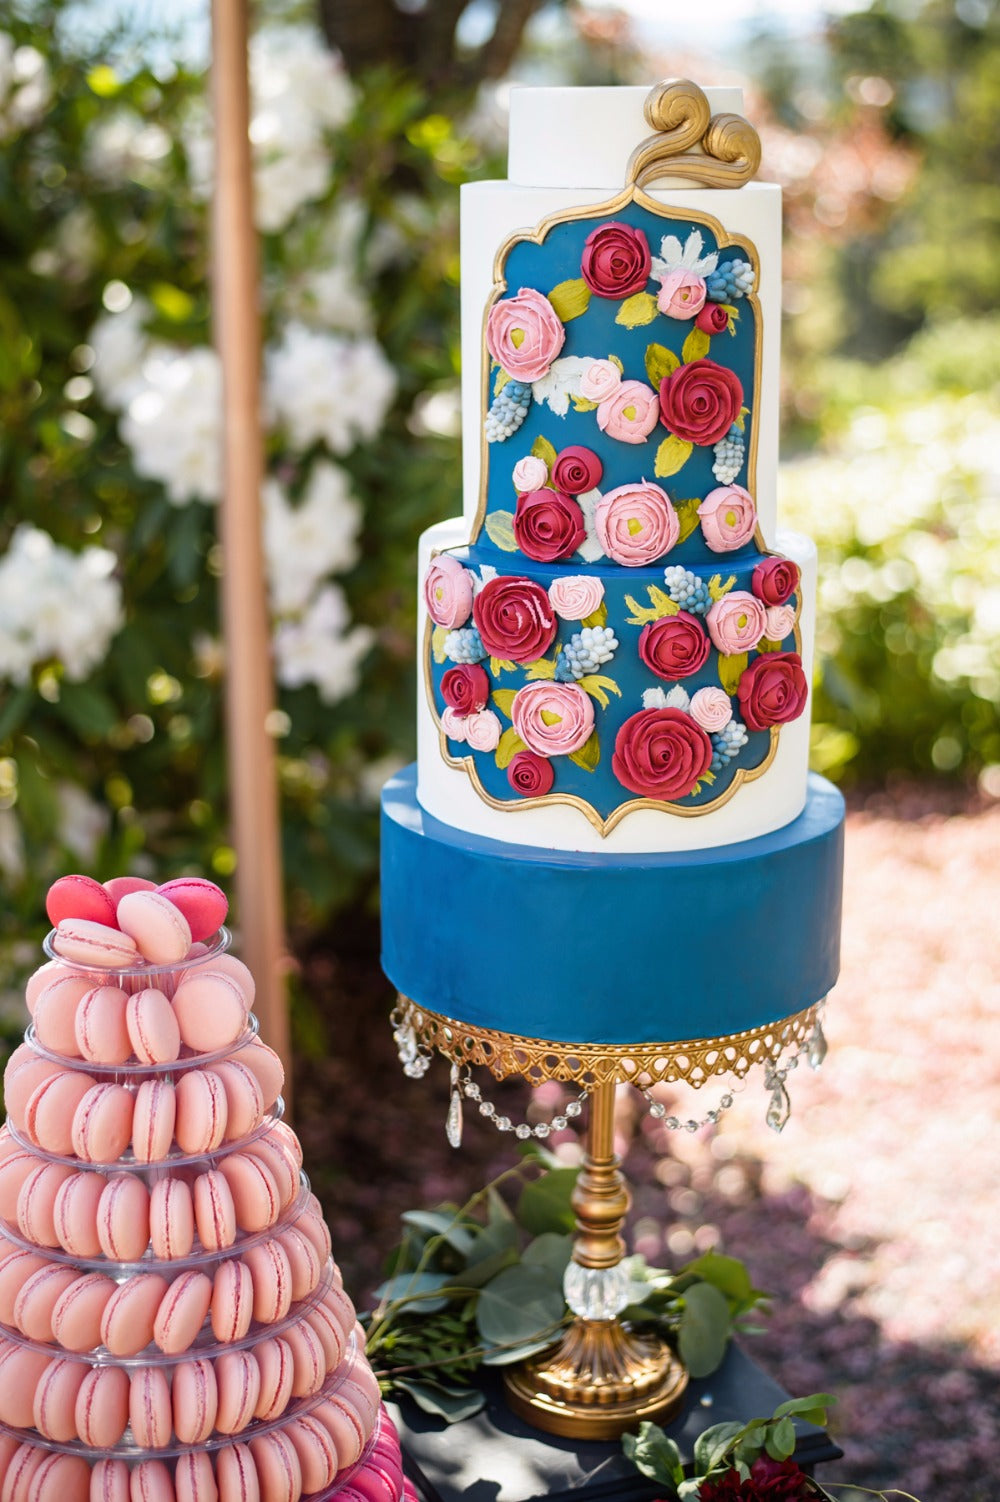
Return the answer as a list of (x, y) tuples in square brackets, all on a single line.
[(674, 647), (728, 517), (661, 753), (465, 689), (576, 470), (530, 775), (636, 523), (514, 618), (616, 260), (553, 719), (775, 580), (772, 690), (713, 319), (700, 402), (548, 524), (736, 623), (448, 592), (524, 334)]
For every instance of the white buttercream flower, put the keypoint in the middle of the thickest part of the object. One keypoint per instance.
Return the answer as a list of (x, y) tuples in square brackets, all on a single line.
[(306, 540), (687, 257), (55, 604), (318, 647)]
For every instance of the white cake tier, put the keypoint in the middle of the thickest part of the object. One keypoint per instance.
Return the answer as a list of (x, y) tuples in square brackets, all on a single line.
[(767, 803)]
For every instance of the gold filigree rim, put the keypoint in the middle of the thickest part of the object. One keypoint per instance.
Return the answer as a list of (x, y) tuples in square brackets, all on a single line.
[(727, 147), (691, 1061)]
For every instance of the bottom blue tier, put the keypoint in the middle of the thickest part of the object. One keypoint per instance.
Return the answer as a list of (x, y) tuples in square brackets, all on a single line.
[(611, 949)]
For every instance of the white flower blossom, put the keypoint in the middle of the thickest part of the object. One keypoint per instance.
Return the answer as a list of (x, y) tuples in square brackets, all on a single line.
[(173, 424), (120, 344), (25, 87), (325, 387), (560, 382), (55, 604), (82, 822), (687, 257), (319, 648), (307, 540), (121, 145)]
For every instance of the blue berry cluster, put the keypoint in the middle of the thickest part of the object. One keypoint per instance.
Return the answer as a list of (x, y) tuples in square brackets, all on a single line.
[(585, 652), (508, 411), (464, 645), (729, 452), (686, 589), (727, 743), (731, 280)]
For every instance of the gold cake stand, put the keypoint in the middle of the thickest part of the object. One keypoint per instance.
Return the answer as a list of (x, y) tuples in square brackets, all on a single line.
[(601, 1378)]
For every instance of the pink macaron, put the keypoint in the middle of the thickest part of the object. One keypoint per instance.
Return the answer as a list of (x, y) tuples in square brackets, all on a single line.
[(150, 1413), (308, 1360), (152, 1027), (160, 930), (21, 1370), (232, 1301), (15, 1168), (344, 1426), (202, 1111), (16, 1268), (39, 979), (244, 1098), (118, 887), (17, 1476), (214, 1211), (316, 1451), (127, 1323), (153, 1120), (48, 1116), (274, 1361), (266, 1065), (255, 1193), (194, 1478), (375, 1484), (24, 1073), (38, 1297), (123, 1218), (303, 1260), (171, 1219), (195, 1397), (61, 1478), (329, 1334), (55, 1400), (95, 945), (210, 1010), (182, 1312), (312, 1224), (237, 1376), (203, 904), (79, 1310), (109, 1482), (56, 1012), (101, 1033), (278, 1469), (102, 1124), (9, 1447), (283, 1170), (272, 1281), (236, 1475), (101, 1414), (79, 897), (36, 1203), (150, 1482)]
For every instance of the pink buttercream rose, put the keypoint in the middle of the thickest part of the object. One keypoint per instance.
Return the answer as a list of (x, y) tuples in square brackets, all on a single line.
[(736, 623), (553, 719), (576, 597), (780, 622), (482, 730), (630, 413), (728, 517), (681, 294), (524, 334), (530, 473), (454, 725), (448, 592), (600, 380), (711, 708), (636, 523)]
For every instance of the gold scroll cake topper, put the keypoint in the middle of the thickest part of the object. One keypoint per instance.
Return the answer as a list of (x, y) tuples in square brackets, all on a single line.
[(714, 151)]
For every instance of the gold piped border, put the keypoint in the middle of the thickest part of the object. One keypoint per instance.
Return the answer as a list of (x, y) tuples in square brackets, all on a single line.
[(691, 1061)]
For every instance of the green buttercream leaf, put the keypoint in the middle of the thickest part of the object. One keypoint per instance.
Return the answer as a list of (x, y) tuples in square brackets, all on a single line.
[(595, 684), (542, 449), (641, 614), (509, 745), (687, 515), (637, 310), (438, 637), (662, 603), (542, 668), (503, 698), (734, 317), (617, 364), (731, 670), (500, 530), (589, 755), (717, 589), (741, 421), (660, 362), (696, 346), (500, 382), (570, 299), (672, 453), (599, 617), (581, 404), (768, 646)]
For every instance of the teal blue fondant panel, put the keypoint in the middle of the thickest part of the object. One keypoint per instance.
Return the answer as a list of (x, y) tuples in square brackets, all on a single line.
[(611, 948)]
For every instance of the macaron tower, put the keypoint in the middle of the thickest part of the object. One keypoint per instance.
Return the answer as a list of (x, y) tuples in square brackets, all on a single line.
[(172, 1322)]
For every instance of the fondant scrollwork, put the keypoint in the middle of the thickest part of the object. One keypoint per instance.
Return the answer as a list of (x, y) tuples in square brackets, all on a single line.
[(712, 151)]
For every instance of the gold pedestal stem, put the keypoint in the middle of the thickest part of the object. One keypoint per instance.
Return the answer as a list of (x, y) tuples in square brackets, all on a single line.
[(601, 1379)]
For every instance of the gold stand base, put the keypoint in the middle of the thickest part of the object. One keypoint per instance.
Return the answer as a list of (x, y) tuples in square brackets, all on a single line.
[(599, 1382)]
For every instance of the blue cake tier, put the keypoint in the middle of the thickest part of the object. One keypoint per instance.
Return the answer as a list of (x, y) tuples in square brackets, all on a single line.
[(611, 949)]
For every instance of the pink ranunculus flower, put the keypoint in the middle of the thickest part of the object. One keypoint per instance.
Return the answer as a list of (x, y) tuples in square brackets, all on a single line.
[(780, 622), (454, 725), (482, 730), (530, 473), (681, 294), (636, 523), (711, 708), (448, 592), (576, 596), (553, 719), (630, 413), (736, 623), (600, 380), (728, 517), (524, 334)]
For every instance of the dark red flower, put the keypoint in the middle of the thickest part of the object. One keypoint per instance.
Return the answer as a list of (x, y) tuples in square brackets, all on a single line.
[(548, 524), (775, 580), (674, 647), (700, 402), (769, 1481), (466, 688), (616, 260), (661, 753), (713, 319), (530, 775), (577, 470), (515, 619), (772, 690)]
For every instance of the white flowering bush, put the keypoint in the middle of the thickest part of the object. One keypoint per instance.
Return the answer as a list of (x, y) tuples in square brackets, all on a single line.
[(111, 664)]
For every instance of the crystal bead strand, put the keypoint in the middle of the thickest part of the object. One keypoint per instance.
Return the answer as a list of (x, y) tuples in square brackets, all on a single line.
[(522, 1131)]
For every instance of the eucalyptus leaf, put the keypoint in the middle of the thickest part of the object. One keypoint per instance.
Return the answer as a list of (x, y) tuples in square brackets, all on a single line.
[(414, 1290), (704, 1329), (475, 1274), (444, 1224), (507, 1355), (518, 1304), (545, 1204), (451, 1405), (549, 1250)]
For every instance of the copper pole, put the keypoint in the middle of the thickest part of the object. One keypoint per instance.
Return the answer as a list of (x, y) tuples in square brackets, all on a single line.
[(249, 682)]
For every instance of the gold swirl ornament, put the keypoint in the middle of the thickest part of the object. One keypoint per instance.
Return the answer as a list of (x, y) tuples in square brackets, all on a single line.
[(690, 143)]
